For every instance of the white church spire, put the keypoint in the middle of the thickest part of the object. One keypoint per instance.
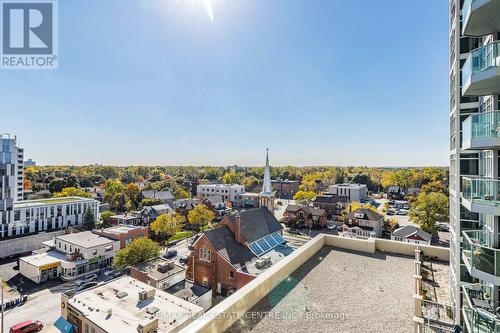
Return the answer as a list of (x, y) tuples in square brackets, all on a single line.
[(266, 186)]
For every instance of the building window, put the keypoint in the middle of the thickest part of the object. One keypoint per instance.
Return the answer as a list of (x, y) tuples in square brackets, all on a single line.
[(231, 274), (94, 252), (205, 254)]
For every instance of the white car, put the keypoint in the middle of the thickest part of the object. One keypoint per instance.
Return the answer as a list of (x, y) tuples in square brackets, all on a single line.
[(86, 279)]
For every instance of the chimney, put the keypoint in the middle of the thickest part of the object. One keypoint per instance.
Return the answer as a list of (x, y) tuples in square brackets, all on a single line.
[(237, 226)]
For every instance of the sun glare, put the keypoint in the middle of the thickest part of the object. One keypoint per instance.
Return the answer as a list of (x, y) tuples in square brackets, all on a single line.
[(209, 8)]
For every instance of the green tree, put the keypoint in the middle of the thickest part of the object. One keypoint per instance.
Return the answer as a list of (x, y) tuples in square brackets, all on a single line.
[(89, 219), (428, 209), (140, 250), (106, 218), (72, 192), (181, 193), (435, 186), (114, 194), (231, 177), (200, 216), (150, 202), (166, 225), (132, 192), (304, 197)]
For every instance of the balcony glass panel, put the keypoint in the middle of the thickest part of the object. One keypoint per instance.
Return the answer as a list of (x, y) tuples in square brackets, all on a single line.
[(480, 254), (479, 309), (481, 126), (481, 59), (482, 191)]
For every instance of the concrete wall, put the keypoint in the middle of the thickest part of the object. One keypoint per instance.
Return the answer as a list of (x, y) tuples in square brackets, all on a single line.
[(25, 244), (226, 313)]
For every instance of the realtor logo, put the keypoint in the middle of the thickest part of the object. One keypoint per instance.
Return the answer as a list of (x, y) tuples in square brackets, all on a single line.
[(29, 34)]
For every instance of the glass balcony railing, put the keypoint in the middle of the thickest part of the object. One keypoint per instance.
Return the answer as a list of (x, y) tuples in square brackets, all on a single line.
[(479, 309), (481, 191), (480, 126), (480, 59), (479, 253)]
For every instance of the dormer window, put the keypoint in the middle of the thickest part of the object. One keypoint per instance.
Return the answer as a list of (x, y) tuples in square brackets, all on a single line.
[(359, 215)]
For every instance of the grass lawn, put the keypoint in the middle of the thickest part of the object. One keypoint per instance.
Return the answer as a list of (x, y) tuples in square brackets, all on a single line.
[(180, 235)]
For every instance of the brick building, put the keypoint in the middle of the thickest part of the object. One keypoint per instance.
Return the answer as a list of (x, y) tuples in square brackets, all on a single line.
[(239, 249), (285, 189), (309, 217), (334, 205)]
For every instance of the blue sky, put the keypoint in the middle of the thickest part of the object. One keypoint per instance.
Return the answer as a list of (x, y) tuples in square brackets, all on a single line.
[(157, 82)]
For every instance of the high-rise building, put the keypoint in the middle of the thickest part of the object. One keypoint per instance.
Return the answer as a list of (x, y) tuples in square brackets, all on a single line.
[(474, 173), (24, 224)]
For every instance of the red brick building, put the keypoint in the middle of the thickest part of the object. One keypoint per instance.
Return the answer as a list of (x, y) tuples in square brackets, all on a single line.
[(124, 233), (309, 217), (239, 249)]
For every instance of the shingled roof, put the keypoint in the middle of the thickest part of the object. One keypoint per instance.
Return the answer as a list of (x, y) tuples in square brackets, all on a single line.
[(309, 210), (256, 223), (331, 199), (368, 214), (222, 239)]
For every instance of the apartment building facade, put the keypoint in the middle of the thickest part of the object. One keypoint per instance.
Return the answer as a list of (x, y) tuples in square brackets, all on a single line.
[(474, 142), (231, 193), (355, 192)]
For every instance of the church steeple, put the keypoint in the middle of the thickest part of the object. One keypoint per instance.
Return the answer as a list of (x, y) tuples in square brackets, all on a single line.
[(266, 186)]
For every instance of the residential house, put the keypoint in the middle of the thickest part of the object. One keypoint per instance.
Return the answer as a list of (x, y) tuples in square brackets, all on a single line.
[(309, 217), (150, 213), (183, 206), (166, 197), (395, 193), (412, 192), (411, 234), (239, 249), (334, 205), (132, 218), (214, 202), (364, 222)]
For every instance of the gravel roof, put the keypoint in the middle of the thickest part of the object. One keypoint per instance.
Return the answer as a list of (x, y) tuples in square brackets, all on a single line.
[(338, 291)]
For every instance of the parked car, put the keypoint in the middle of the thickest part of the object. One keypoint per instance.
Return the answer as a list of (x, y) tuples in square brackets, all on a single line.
[(87, 278), (86, 285), (109, 274), (403, 212), (391, 211), (170, 254), (183, 259), (339, 228), (442, 226), (27, 327), (331, 226)]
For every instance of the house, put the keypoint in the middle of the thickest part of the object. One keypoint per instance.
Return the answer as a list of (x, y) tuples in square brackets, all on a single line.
[(132, 218), (239, 249), (364, 222), (166, 197), (334, 205), (214, 202), (355, 192), (411, 234), (310, 217), (150, 213), (285, 189), (124, 233), (158, 273), (412, 192), (395, 192), (183, 206)]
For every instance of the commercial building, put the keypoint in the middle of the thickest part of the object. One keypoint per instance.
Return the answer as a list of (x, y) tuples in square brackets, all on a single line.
[(159, 273), (285, 189), (127, 305), (474, 165), (355, 192), (71, 257), (124, 233), (230, 193)]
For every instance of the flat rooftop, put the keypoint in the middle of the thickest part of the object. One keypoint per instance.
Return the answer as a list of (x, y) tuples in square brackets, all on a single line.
[(121, 229), (86, 239), (50, 201), (151, 268), (115, 307), (47, 258), (274, 256), (338, 291)]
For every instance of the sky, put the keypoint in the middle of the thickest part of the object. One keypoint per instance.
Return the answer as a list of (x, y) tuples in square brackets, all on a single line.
[(216, 82)]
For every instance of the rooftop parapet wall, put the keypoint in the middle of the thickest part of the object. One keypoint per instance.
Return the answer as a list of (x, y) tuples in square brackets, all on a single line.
[(226, 313)]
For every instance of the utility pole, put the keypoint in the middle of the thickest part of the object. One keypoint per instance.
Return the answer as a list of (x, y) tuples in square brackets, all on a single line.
[(1, 304)]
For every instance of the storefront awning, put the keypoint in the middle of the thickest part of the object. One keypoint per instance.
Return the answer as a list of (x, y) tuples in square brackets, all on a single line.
[(63, 325)]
